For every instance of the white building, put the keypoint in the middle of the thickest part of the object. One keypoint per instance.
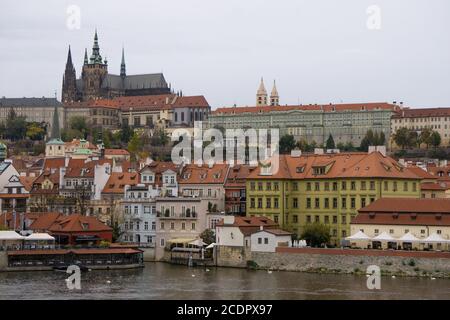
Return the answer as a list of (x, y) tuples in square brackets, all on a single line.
[(139, 207), (267, 240)]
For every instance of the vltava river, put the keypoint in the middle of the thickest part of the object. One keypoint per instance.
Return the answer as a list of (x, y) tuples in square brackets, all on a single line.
[(164, 281)]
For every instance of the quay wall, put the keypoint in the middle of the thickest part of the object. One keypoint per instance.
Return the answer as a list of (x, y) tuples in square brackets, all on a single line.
[(3, 260), (148, 254), (348, 261)]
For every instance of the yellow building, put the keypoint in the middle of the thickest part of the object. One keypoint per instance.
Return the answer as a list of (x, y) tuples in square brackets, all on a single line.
[(326, 188)]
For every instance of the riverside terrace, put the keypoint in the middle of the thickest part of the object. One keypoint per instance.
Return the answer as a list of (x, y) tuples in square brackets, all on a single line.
[(41, 260)]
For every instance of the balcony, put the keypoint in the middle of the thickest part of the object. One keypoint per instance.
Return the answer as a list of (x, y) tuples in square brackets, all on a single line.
[(168, 215)]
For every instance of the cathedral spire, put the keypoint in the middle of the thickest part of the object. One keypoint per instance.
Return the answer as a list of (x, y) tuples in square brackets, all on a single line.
[(96, 57), (123, 72), (86, 61), (69, 64)]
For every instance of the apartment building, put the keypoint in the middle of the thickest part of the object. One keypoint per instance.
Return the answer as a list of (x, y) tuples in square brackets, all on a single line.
[(326, 188)]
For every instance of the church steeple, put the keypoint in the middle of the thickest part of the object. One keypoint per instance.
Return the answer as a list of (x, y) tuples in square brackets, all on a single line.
[(96, 58), (274, 97), (69, 88), (261, 95), (55, 133), (123, 71), (86, 61)]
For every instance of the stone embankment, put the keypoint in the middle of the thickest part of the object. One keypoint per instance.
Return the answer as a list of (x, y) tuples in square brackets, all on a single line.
[(347, 261)]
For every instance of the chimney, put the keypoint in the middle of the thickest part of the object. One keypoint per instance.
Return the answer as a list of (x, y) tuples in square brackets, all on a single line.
[(261, 228), (296, 153)]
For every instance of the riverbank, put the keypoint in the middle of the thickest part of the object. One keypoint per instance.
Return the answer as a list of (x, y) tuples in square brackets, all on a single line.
[(339, 261)]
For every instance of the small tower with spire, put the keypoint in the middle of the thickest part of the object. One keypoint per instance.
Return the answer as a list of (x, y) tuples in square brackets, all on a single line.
[(274, 97), (69, 87), (123, 70), (55, 147), (261, 95)]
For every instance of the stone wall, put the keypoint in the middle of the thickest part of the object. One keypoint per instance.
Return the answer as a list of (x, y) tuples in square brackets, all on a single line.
[(3, 260), (232, 256), (149, 254), (329, 261)]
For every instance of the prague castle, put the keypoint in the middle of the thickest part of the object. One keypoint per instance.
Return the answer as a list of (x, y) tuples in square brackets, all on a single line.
[(96, 82)]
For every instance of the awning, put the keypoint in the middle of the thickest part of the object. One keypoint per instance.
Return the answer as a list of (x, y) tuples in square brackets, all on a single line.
[(180, 240), (87, 238), (435, 238), (198, 243), (40, 237), (408, 237), (384, 237), (358, 236), (211, 245), (10, 235)]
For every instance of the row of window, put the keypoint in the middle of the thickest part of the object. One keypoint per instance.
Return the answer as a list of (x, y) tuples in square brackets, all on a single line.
[(135, 209), (131, 226), (273, 203), (363, 185), (172, 226)]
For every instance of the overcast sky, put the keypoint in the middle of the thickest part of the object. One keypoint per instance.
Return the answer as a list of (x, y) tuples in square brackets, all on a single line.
[(319, 51)]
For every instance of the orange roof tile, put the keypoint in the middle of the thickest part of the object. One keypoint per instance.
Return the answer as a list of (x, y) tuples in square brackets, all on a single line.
[(193, 174), (118, 180), (324, 108), (340, 165)]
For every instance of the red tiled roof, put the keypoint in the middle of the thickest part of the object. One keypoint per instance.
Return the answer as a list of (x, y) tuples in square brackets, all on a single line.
[(116, 152), (237, 175), (324, 108), (421, 173), (118, 180), (438, 186), (409, 205), (250, 222), (54, 163), (56, 222), (340, 165), (27, 182), (193, 174), (423, 112)]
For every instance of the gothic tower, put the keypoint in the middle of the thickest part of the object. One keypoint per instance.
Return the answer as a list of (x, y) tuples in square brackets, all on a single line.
[(261, 95), (94, 72), (123, 70), (69, 87), (274, 97)]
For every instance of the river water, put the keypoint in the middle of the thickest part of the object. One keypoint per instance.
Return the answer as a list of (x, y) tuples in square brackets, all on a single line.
[(164, 281)]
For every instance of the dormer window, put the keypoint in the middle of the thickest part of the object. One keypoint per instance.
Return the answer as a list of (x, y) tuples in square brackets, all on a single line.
[(319, 170), (85, 226), (300, 169)]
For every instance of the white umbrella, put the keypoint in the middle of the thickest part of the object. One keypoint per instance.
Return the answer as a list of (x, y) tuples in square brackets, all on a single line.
[(384, 237), (435, 238), (211, 245), (408, 237), (40, 237), (358, 236), (198, 243), (10, 235)]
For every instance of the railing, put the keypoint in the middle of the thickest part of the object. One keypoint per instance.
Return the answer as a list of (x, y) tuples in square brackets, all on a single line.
[(177, 215)]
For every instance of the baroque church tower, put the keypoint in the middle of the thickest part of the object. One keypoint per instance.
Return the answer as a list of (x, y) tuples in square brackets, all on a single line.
[(261, 95), (94, 72), (69, 87), (274, 97)]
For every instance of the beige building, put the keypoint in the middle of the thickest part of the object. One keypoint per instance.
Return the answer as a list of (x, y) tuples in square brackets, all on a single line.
[(397, 217), (437, 119), (34, 109)]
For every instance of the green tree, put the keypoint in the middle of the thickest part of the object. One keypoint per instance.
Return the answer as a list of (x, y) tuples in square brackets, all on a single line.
[(79, 123), (15, 127), (316, 234), (424, 137), (35, 131), (287, 144), (435, 139), (135, 145), (126, 133), (402, 137), (208, 236), (330, 142)]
